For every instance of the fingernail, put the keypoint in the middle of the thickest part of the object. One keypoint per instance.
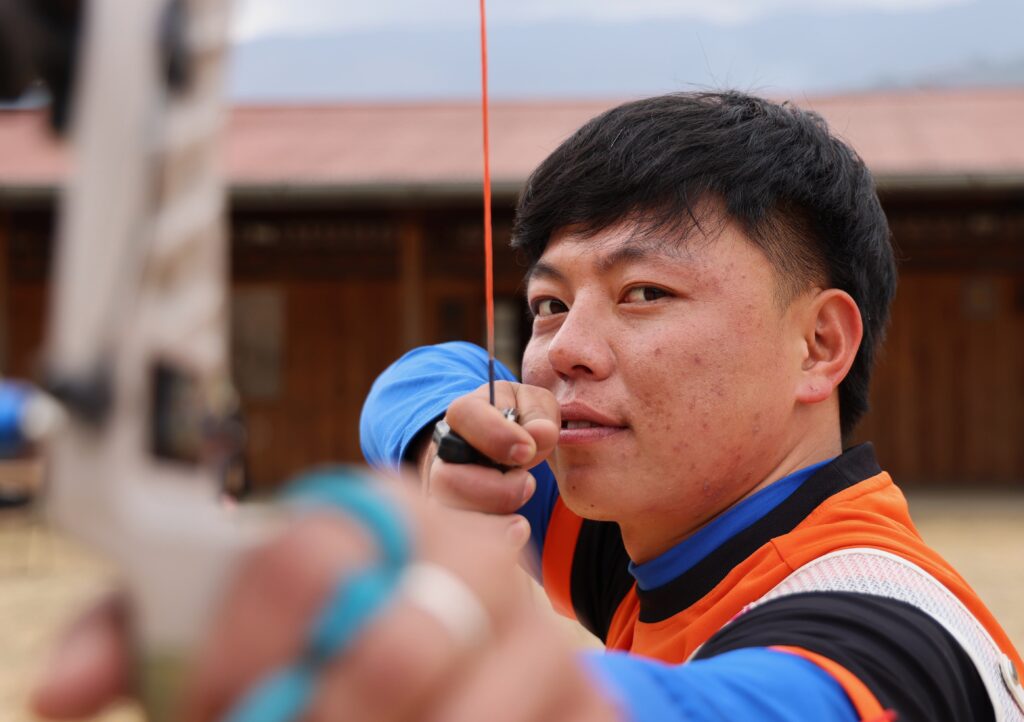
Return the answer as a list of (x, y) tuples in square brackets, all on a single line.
[(518, 532), (529, 486), (521, 453)]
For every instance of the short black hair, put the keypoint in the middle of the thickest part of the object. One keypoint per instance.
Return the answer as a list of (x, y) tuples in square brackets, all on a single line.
[(799, 193)]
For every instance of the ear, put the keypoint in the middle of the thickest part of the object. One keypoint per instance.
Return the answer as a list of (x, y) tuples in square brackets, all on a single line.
[(832, 331)]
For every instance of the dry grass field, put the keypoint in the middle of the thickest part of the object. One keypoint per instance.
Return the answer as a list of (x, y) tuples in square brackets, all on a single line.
[(43, 579)]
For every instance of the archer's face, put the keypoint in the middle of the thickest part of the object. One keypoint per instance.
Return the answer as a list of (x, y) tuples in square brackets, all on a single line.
[(672, 362)]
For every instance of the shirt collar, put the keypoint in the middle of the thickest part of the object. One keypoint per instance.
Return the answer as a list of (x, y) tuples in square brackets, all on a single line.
[(683, 556)]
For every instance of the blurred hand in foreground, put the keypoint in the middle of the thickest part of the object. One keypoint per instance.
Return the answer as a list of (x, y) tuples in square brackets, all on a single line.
[(406, 664)]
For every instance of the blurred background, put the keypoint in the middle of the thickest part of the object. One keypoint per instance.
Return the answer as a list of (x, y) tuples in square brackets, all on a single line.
[(352, 153)]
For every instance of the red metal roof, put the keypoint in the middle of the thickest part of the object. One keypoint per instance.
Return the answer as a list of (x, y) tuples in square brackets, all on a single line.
[(901, 134)]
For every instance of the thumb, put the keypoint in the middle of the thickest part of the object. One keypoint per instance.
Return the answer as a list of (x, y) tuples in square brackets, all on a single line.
[(90, 667)]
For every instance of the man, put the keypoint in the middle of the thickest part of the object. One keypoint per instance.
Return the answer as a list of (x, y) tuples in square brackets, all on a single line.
[(710, 278)]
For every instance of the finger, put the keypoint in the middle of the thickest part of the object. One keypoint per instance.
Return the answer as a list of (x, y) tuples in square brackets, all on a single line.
[(593, 706), (486, 429), (478, 488), (540, 416), (264, 621), (90, 667), (513, 529), (535, 403), (520, 679), (411, 655), (460, 541), (545, 437), (391, 669)]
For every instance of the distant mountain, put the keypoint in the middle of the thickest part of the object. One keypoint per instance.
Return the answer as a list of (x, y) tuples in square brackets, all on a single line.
[(975, 43), (977, 73)]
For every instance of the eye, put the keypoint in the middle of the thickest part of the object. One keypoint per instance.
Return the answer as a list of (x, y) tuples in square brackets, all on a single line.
[(644, 294), (547, 307)]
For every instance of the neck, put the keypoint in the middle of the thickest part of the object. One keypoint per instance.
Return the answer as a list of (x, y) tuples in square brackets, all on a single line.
[(654, 533)]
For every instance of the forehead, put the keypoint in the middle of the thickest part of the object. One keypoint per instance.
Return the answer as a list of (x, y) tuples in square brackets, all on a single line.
[(625, 243)]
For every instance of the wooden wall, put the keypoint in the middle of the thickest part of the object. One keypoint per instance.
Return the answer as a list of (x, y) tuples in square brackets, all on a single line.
[(948, 390), (337, 336), (27, 251), (326, 298), (355, 291), (5, 285), (948, 393)]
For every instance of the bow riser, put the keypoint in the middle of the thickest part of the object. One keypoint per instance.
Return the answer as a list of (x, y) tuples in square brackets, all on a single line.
[(139, 316)]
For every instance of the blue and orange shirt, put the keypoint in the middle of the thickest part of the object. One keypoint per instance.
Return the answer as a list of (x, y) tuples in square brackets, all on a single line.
[(812, 656)]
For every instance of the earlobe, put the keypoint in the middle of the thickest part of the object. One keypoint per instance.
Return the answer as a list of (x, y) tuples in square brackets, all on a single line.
[(832, 335)]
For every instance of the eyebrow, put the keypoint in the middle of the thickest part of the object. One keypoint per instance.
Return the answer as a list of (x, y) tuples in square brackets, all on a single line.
[(543, 270), (630, 251)]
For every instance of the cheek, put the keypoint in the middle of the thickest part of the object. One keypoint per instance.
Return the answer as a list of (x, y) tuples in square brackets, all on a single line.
[(536, 369), (654, 370), (691, 391), (669, 390)]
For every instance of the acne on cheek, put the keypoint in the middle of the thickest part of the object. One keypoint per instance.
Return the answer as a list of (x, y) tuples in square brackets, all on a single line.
[(654, 403)]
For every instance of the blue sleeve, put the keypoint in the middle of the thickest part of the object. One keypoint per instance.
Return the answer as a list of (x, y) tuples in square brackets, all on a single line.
[(745, 684), (414, 392)]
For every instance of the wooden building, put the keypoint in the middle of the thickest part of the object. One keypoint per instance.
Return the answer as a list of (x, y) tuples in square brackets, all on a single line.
[(356, 234)]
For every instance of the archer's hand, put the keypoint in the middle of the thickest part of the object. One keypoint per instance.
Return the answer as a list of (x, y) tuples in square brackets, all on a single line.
[(520, 445), (404, 666)]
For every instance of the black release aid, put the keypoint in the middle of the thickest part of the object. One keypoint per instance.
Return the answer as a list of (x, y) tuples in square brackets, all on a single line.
[(453, 449)]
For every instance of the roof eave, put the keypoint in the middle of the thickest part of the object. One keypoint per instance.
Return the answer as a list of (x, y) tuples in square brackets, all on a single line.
[(398, 194), (387, 194), (949, 181), (340, 195)]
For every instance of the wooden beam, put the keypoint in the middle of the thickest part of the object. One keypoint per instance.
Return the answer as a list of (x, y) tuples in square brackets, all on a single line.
[(5, 296), (411, 242)]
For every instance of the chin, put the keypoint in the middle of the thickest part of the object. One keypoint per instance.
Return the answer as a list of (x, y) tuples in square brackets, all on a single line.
[(588, 510), (590, 494)]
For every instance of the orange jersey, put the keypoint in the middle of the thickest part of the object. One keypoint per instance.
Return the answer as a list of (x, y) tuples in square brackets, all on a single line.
[(847, 504)]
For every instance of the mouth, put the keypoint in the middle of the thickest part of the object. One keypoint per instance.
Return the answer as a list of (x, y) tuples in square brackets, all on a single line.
[(582, 425)]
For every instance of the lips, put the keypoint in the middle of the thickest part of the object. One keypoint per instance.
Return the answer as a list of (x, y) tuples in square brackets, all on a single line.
[(582, 424)]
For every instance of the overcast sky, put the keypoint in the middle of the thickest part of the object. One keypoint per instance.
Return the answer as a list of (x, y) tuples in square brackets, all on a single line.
[(258, 18)]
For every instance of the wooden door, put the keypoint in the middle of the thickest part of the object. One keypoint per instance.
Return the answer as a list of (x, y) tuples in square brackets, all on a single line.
[(335, 338)]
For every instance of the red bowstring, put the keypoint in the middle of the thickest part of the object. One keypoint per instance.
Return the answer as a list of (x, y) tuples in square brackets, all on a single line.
[(488, 235)]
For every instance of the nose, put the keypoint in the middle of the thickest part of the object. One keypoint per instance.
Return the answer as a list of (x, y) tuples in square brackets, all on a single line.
[(580, 348)]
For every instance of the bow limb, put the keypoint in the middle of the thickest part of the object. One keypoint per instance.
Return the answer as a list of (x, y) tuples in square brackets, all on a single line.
[(137, 349)]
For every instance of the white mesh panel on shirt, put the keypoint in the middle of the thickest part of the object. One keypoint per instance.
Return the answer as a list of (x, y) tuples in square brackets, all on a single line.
[(872, 571)]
